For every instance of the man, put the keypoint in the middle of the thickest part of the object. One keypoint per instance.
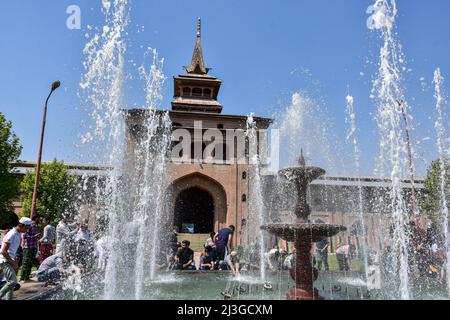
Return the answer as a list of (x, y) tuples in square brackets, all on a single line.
[(206, 261), (30, 247), (65, 233), (174, 244), (84, 246), (185, 257), (344, 256), (222, 239), (102, 252), (211, 246), (419, 249), (272, 258), (289, 262), (51, 269), (46, 242), (8, 264), (233, 262), (322, 254)]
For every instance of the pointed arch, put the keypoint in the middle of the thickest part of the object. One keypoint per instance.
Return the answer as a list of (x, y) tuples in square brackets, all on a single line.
[(200, 181)]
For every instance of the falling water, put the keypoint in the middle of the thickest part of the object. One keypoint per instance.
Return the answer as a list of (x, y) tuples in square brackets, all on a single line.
[(351, 118), (387, 88), (441, 136), (256, 216), (299, 129), (103, 85), (134, 187), (150, 173)]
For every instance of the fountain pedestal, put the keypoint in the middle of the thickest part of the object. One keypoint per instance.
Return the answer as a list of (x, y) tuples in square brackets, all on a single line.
[(303, 233), (304, 277)]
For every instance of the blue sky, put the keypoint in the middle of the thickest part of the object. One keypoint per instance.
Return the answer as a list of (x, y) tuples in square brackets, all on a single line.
[(262, 50)]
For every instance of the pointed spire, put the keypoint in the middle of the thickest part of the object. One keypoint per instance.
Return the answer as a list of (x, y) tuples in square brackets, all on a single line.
[(197, 64), (199, 28), (301, 159)]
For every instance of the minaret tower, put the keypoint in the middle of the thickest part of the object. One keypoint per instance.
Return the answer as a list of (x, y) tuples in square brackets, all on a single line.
[(196, 90)]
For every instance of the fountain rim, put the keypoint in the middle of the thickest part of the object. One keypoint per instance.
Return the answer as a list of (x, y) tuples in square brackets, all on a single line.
[(308, 169), (313, 231)]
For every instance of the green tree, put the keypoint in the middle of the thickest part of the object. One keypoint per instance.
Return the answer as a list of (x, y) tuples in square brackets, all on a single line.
[(57, 192), (10, 150), (430, 200)]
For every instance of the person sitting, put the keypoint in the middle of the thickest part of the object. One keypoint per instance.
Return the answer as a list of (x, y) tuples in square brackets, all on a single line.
[(185, 257), (52, 269), (206, 261), (233, 262)]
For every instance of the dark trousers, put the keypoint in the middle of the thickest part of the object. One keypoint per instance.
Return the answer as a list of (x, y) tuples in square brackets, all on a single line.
[(220, 250), (49, 275), (342, 260), (29, 257), (322, 257)]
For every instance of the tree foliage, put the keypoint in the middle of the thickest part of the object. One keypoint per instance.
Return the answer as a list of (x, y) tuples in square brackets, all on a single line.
[(57, 191), (430, 201), (10, 150)]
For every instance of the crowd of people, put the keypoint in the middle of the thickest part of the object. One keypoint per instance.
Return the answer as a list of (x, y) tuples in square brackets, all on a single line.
[(217, 253), (427, 257), (54, 251)]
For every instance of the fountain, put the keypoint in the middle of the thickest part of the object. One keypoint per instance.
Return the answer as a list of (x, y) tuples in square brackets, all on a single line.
[(302, 232)]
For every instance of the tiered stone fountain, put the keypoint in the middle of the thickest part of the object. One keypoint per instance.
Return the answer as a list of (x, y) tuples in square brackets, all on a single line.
[(303, 233)]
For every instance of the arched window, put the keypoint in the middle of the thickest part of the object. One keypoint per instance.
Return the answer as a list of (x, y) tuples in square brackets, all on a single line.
[(244, 197), (186, 92), (244, 175), (207, 93), (196, 92)]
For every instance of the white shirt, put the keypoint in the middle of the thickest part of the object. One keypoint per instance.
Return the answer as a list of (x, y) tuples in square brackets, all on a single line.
[(83, 238), (289, 261), (13, 238), (63, 237)]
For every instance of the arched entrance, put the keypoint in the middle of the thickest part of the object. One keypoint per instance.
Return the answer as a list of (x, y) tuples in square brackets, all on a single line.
[(194, 211), (200, 199)]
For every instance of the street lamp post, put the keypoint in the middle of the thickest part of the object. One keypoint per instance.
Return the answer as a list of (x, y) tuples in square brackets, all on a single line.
[(55, 85)]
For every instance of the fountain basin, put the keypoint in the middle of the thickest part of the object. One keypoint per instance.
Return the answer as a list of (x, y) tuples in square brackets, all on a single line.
[(312, 231), (208, 285)]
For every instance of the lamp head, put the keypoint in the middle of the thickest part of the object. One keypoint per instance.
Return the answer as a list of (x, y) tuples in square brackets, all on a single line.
[(55, 85)]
